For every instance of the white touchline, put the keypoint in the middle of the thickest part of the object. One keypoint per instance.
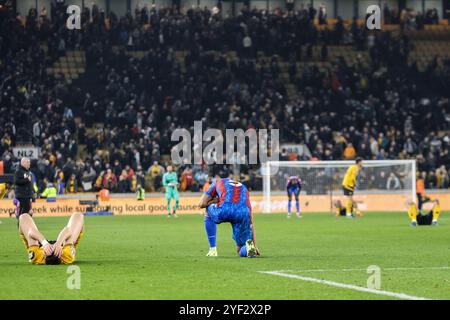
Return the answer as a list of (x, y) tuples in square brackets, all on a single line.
[(363, 269), (346, 286)]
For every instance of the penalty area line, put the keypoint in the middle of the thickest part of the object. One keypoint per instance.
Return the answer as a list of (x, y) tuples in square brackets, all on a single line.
[(346, 286)]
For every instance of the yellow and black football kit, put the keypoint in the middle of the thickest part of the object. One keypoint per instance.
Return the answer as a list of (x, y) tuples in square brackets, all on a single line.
[(341, 211), (349, 181), (36, 252), (424, 219), (348, 186)]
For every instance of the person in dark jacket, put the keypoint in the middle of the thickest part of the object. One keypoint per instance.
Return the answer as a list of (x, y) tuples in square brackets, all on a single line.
[(23, 188)]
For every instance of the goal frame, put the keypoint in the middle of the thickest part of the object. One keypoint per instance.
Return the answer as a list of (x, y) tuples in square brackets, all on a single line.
[(266, 174)]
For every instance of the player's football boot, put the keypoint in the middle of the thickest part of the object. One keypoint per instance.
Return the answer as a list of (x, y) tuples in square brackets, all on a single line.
[(299, 216), (413, 223), (212, 252), (434, 223), (251, 249), (288, 216)]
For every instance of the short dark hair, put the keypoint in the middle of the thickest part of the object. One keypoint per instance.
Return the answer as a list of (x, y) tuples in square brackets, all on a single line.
[(52, 260), (358, 160)]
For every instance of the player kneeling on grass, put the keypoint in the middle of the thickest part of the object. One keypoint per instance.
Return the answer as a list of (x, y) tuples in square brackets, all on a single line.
[(60, 251), (228, 201), (340, 210), (420, 219)]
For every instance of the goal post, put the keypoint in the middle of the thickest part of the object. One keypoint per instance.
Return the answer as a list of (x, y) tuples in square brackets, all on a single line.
[(382, 185)]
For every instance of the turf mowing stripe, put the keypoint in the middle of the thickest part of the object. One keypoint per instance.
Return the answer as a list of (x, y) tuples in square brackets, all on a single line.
[(346, 286)]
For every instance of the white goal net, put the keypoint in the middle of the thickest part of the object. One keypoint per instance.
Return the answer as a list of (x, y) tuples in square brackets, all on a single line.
[(384, 185)]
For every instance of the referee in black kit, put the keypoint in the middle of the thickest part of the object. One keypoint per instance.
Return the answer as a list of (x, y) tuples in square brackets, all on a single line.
[(23, 188)]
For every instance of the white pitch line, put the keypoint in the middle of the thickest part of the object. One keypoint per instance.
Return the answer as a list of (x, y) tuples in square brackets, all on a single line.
[(346, 286), (361, 269)]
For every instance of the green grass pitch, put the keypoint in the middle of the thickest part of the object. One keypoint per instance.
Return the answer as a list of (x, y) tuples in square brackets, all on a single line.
[(153, 257)]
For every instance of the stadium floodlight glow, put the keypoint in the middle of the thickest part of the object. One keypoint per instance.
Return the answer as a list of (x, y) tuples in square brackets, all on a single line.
[(322, 180)]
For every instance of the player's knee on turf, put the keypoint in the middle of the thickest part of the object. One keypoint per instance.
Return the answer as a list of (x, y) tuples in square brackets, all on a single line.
[(242, 251)]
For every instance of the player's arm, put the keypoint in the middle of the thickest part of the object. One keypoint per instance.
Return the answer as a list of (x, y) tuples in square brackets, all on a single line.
[(249, 205), (254, 237), (205, 200), (29, 229), (209, 197), (164, 180), (63, 236), (21, 179)]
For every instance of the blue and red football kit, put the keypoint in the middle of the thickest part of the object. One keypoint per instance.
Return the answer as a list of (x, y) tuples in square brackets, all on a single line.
[(233, 207)]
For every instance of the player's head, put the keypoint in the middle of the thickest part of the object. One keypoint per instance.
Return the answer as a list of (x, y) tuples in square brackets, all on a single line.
[(169, 168), (52, 259), (359, 162), (25, 162)]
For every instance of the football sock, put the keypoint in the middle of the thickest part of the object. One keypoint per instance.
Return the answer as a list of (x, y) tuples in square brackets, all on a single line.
[(349, 207), (211, 231), (412, 212), (436, 212), (168, 207), (289, 206), (175, 207), (297, 206)]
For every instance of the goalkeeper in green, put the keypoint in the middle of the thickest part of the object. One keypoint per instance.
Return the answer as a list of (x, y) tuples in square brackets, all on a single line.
[(170, 182)]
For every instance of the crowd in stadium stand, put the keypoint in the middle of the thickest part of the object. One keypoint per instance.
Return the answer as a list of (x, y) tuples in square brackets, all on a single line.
[(410, 19), (388, 110)]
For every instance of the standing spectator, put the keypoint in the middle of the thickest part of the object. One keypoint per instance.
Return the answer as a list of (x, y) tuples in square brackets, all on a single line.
[(322, 14), (110, 180), (290, 5), (72, 184), (23, 188), (349, 152), (393, 183)]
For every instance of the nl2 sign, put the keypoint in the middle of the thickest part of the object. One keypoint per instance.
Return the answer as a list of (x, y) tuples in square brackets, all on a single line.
[(29, 152)]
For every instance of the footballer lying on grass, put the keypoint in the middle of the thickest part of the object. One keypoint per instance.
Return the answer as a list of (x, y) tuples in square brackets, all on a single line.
[(419, 219), (229, 201), (61, 251)]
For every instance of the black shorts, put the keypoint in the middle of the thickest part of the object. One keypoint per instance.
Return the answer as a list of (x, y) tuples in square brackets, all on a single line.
[(425, 219), (23, 205), (347, 192)]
